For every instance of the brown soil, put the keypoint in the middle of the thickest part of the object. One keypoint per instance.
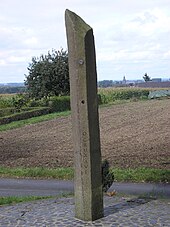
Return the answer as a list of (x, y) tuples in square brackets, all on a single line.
[(132, 135)]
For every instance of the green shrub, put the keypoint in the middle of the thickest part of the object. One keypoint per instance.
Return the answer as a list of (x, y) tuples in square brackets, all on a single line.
[(19, 101), (38, 103), (6, 101), (107, 176), (59, 103), (7, 111)]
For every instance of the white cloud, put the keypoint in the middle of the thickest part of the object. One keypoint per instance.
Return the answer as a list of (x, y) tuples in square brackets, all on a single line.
[(17, 59), (142, 37), (31, 41), (130, 35), (2, 62)]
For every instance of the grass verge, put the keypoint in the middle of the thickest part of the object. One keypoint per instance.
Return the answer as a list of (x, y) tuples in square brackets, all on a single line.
[(142, 175), (19, 199), (16, 199), (37, 172), (121, 175)]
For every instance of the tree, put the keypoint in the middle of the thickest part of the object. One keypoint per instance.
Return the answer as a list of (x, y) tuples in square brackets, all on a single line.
[(146, 78), (48, 75)]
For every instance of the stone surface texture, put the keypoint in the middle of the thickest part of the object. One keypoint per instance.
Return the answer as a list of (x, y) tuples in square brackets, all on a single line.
[(85, 119)]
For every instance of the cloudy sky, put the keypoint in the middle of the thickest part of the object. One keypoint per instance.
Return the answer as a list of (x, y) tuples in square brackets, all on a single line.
[(132, 36)]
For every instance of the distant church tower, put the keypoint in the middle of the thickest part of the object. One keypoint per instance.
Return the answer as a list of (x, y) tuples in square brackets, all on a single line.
[(124, 80)]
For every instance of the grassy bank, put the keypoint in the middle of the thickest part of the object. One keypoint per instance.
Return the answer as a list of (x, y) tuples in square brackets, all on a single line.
[(121, 175), (33, 120)]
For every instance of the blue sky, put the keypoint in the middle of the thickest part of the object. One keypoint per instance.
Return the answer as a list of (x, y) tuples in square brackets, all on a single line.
[(132, 37)]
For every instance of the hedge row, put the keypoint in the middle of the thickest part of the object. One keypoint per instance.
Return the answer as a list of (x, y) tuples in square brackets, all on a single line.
[(109, 95), (9, 111), (54, 104), (25, 115), (6, 111), (59, 104), (105, 96)]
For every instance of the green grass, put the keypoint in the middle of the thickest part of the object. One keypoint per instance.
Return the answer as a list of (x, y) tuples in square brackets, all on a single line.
[(37, 172), (121, 175), (33, 120), (141, 175), (19, 199), (16, 199)]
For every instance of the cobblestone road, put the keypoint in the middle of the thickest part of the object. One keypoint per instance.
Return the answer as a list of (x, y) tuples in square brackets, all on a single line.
[(119, 211)]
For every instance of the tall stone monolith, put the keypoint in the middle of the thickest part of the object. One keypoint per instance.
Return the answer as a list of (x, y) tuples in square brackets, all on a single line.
[(85, 119)]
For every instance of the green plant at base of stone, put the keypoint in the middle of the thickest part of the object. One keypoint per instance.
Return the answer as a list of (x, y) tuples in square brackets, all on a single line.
[(107, 176)]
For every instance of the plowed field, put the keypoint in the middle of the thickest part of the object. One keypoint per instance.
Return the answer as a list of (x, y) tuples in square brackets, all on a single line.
[(135, 134)]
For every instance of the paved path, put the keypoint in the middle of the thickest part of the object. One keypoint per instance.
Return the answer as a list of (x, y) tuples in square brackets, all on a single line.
[(131, 211), (21, 187), (121, 212)]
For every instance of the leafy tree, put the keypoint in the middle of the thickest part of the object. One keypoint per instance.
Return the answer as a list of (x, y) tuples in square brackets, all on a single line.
[(48, 75), (146, 78)]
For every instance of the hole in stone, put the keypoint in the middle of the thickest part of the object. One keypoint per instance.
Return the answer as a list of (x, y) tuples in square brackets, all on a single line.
[(82, 101)]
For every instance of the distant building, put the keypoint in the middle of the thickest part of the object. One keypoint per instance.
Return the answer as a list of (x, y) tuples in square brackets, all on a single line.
[(124, 80), (151, 84), (156, 80)]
